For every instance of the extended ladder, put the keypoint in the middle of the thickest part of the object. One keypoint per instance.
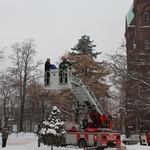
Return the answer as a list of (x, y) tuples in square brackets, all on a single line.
[(85, 96), (82, 92)]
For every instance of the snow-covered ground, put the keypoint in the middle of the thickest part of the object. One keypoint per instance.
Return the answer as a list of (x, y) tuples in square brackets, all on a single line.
[(28, 141)]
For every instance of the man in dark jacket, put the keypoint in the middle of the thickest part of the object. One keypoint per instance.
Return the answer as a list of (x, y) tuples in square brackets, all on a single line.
[(47, 73), (64, 65), (5, 134)]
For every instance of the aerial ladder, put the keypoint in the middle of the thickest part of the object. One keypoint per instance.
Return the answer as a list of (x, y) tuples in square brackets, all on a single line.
[(85, 96)]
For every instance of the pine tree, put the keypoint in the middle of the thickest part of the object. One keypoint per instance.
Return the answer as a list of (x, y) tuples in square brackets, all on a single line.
[(56, 123), (91, 72), (85, 46), (53, 130)]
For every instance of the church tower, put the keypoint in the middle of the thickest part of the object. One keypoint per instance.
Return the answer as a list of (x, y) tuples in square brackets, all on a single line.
[(137, 34)]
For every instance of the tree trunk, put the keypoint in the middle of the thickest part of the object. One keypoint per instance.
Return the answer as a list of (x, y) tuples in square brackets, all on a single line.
[(77, 112), (51, 146), (123, 128), (21, 115)]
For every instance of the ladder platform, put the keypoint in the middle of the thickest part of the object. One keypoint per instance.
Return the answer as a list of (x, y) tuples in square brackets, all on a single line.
[(58, 79)]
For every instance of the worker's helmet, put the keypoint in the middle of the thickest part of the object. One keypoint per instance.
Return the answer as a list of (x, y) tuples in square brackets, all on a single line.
[(63, 57)]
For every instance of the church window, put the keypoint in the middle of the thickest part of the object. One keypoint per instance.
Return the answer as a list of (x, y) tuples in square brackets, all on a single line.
[(134, 43), (147, 44), (147, 17), (147, 14)]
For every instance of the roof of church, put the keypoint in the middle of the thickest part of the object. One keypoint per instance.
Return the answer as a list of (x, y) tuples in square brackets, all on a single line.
[(130, 15)]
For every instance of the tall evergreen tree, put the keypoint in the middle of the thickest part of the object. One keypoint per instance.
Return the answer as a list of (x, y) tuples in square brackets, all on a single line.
[(90, 71), (85, 46)]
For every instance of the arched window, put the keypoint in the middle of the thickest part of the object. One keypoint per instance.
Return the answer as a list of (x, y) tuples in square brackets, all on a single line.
[(147, 43), (147, 16), (134, 43), (146, 13)]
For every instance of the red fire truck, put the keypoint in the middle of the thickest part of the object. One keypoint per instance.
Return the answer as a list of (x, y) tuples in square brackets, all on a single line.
[(98, 133)]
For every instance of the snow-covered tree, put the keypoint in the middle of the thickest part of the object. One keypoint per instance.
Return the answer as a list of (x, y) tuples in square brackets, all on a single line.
[(53, 130)]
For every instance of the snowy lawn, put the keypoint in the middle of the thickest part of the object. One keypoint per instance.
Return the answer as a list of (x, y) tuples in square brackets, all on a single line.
[(28, 141)]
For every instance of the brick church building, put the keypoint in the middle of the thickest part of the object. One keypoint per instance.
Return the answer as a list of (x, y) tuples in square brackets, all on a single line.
[(137, 34)]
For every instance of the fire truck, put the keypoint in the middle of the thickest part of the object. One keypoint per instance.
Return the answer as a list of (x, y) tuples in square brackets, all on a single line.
[(98, 133)]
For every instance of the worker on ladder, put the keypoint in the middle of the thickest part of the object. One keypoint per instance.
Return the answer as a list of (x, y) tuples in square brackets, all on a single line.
[(47, 71), (48, 66), (64, 65)]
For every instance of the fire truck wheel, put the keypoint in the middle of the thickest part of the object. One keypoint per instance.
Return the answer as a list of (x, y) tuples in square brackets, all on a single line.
[(82, 143)]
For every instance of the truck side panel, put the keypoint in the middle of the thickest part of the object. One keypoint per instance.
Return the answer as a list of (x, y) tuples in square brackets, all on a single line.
[(71, 138)]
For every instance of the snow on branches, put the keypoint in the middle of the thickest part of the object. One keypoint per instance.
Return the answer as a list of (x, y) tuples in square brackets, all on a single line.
[(53, 128), (53, 125)]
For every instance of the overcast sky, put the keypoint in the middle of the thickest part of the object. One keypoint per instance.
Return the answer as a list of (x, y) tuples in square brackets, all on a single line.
[(56, 25)]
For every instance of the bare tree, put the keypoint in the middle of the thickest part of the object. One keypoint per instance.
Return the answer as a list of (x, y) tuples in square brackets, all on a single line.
[(1, 54), (23, 70), (39, 101), (133, 87), (7, 92)]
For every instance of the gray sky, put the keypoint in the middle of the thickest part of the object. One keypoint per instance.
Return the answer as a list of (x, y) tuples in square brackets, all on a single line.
[(56, 25)]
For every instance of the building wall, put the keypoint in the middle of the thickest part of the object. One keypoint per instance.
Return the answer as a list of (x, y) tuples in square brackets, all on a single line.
[(137, 34)]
